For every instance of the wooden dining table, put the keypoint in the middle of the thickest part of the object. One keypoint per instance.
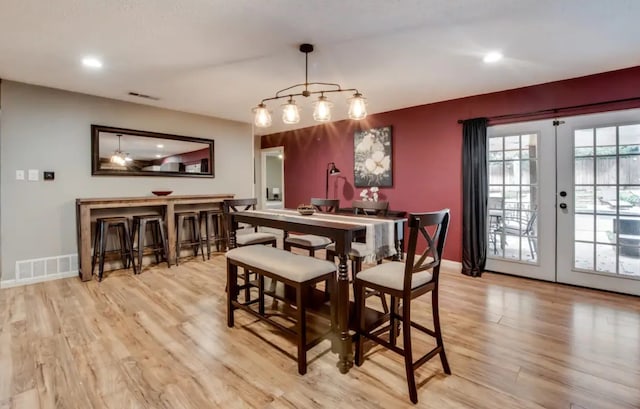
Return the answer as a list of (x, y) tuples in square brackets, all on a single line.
[(342, 230)]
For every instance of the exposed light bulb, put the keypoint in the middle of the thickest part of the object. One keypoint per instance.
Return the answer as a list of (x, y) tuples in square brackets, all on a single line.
[(357, 107), (118, 159), (290, 112), (322, 111), (262, 117)]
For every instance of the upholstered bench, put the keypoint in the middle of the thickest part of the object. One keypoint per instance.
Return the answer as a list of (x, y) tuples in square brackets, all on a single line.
[(299, 272)]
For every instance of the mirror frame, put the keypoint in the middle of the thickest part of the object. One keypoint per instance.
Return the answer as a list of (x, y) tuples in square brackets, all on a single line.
[(95, 154)]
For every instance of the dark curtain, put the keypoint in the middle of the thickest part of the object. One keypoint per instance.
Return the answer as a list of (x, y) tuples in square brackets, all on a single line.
[(474, 196)]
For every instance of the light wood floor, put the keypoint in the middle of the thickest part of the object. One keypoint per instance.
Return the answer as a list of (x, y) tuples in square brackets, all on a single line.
[(160, 340)]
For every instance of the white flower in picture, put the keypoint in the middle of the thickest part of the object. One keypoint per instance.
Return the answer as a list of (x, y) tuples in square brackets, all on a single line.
[(378, 163), (372, 158), (366, 143)]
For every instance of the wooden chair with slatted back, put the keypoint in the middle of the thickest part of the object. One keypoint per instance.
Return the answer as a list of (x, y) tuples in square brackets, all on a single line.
[(311, 242), (359, 251), (370, 208), (246, 235), (404, 282)]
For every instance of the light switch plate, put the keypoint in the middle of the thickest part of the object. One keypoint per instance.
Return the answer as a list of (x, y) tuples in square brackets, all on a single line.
[(19, 174), (33, 175)]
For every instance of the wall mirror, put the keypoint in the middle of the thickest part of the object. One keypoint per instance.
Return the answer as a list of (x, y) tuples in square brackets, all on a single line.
[(127, 152)]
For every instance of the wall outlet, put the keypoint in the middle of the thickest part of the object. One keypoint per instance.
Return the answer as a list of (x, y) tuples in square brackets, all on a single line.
[(19, 174), (48, 175), (33, 175)]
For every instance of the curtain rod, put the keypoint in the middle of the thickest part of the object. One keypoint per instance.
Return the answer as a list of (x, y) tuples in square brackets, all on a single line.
[(556, 110)]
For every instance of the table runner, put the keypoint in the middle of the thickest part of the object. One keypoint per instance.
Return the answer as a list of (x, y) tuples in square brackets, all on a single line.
[(380, 233)]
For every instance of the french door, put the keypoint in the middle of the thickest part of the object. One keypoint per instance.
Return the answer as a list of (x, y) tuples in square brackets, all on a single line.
[(564, 200)]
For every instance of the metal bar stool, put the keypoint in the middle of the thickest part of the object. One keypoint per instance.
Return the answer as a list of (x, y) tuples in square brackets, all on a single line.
[(213, 221), (192, 219), (103, 226), (159, 239)]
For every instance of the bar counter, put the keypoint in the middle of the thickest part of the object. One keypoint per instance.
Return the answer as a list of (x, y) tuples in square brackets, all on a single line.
[(87, 210)]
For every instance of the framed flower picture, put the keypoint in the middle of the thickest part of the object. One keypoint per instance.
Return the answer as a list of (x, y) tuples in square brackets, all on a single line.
[(372, 157)]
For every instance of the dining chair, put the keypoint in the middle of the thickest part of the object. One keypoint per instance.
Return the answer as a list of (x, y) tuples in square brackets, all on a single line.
[(370, 208), (247, 234), (404, 282), (523, 224), (359, 251), (311, 242), (252, 235)]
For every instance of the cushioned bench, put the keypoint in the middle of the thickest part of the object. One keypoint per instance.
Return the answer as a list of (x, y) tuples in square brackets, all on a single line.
[(299, 272)]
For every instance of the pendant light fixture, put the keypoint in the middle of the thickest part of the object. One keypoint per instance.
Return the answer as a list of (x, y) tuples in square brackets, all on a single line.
[(120, 158), (322, 107)]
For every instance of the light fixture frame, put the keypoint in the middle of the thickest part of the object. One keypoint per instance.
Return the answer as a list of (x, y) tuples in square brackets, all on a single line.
[(120, 158), (306, 92)]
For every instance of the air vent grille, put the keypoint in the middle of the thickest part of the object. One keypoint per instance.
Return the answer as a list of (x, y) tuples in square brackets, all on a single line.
[(137, 94)]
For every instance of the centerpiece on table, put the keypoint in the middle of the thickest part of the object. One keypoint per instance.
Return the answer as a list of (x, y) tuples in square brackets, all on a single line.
[(364, 195), (306, 209)]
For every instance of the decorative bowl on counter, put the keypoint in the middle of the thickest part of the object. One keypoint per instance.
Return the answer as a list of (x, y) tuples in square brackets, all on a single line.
[(306, 210), (162, 192)]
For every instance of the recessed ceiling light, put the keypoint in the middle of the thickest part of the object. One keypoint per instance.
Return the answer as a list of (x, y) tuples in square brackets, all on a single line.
[(158, 155), (492, 57), (160, 146), (91, 62)]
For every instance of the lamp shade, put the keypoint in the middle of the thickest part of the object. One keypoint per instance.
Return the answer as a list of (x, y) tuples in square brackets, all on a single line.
[(322, 110), (357, 107), (262, 117), (290, 113)]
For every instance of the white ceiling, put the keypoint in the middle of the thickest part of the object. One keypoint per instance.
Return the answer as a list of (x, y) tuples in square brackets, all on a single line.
[(144, 147), (221, 57)]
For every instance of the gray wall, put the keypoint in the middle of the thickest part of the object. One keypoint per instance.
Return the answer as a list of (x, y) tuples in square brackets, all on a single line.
[(48, 129)]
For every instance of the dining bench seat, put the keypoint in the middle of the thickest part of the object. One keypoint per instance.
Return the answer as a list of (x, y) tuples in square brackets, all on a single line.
[(296, 271)]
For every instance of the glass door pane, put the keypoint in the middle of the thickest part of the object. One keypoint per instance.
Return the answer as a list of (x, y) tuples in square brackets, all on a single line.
[(513, 200), (520, 222), (607, 191), (598, 237)]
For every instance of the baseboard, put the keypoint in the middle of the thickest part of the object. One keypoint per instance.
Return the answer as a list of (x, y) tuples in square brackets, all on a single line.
[(34, 280), (450, 264)]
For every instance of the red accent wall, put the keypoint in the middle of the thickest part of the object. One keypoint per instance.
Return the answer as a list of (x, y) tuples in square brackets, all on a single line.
[(427, 143)]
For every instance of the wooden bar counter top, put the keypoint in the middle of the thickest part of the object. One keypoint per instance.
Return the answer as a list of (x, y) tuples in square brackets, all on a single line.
[(88, 209)]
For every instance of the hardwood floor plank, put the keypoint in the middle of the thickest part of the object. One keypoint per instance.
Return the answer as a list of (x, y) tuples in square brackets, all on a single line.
[(160, 340)]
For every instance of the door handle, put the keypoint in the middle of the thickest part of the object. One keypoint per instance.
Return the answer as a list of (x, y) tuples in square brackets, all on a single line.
[(563, 206)]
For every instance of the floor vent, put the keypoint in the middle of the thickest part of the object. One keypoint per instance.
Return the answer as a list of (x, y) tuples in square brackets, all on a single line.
[(43, 269)]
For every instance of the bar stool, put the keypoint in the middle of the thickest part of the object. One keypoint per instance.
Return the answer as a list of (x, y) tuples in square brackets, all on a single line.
[(103, 226), (213, 221), (190, 218), (159, 239)]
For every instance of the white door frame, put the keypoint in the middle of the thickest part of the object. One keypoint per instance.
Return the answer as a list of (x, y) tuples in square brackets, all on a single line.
[(566, 272), (278, 150), (544, 267), (556, 221)]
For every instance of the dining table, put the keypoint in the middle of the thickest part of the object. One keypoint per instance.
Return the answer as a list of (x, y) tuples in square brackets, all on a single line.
[(382, 235)]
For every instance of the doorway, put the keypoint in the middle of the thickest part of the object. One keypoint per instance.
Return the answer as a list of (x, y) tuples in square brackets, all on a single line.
[(272, 196), (564, 200)]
